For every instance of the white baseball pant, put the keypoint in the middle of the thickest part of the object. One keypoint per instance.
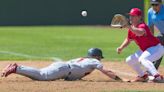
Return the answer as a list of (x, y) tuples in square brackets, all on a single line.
[(57, 70), (145, 59)]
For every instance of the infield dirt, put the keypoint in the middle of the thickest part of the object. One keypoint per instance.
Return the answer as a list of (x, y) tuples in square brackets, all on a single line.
[(95, 82)]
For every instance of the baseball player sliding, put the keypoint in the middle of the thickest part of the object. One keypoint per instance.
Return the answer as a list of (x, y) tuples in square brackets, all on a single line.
[(150, 48), (74, 69)]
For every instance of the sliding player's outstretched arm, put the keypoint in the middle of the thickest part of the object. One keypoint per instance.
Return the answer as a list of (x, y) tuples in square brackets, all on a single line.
[(112, 75)]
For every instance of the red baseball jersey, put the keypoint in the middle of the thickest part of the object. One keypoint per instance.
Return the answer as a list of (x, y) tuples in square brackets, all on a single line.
[(145, 41)]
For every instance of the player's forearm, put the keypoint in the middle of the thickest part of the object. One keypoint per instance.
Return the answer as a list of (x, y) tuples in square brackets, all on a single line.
[(117, 78), (111, 74), (125, 43), (137, 31)]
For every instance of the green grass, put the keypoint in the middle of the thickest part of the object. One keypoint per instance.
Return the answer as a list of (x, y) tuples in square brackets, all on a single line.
[(60, 41), (65, 42), (146, 7)]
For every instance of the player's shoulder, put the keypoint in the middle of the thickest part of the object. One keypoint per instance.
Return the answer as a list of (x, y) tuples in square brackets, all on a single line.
[(142, 25), (96, 60), (162, 6), (86, 59), (74, 59), (93, 60), (150, 11)]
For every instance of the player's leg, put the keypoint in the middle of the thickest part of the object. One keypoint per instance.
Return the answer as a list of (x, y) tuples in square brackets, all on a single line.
[(57, 70), (133, 62), (161, 38), (9, 69), (30, 72), (158, 62), (54, 71), (150, 55)]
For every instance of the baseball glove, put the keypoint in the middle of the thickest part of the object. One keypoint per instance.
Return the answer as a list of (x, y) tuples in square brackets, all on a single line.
[(119, 21)]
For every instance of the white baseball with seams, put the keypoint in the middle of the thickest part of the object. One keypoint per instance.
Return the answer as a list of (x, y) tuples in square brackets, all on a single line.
[(84, 13)]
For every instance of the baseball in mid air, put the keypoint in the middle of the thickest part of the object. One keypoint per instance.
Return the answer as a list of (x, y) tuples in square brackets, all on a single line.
[(84, 13)]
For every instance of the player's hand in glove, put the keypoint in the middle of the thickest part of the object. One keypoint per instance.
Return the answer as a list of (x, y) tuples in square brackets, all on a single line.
[(119, 21)]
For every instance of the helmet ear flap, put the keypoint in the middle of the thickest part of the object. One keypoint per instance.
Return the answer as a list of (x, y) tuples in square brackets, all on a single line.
[(92, 52)]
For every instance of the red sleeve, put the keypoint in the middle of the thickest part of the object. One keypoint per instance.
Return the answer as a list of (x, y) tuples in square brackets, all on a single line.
[(142, 25), (129, 35)]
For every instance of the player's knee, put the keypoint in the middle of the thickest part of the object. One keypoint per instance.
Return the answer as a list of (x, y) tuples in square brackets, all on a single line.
[(130, 61), (142, 60)]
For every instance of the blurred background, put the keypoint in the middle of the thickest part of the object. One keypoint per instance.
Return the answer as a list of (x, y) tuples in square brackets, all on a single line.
[(63, 12)]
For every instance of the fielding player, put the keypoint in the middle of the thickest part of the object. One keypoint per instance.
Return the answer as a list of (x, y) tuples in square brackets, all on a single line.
[(150, 48), (74, 69)]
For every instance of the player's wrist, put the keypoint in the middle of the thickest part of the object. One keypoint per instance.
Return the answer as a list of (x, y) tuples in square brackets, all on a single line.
[(133, 28), (117, 78)]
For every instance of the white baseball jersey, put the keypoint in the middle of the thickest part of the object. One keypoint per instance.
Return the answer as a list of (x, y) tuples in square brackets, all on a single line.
[(81, 67)]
